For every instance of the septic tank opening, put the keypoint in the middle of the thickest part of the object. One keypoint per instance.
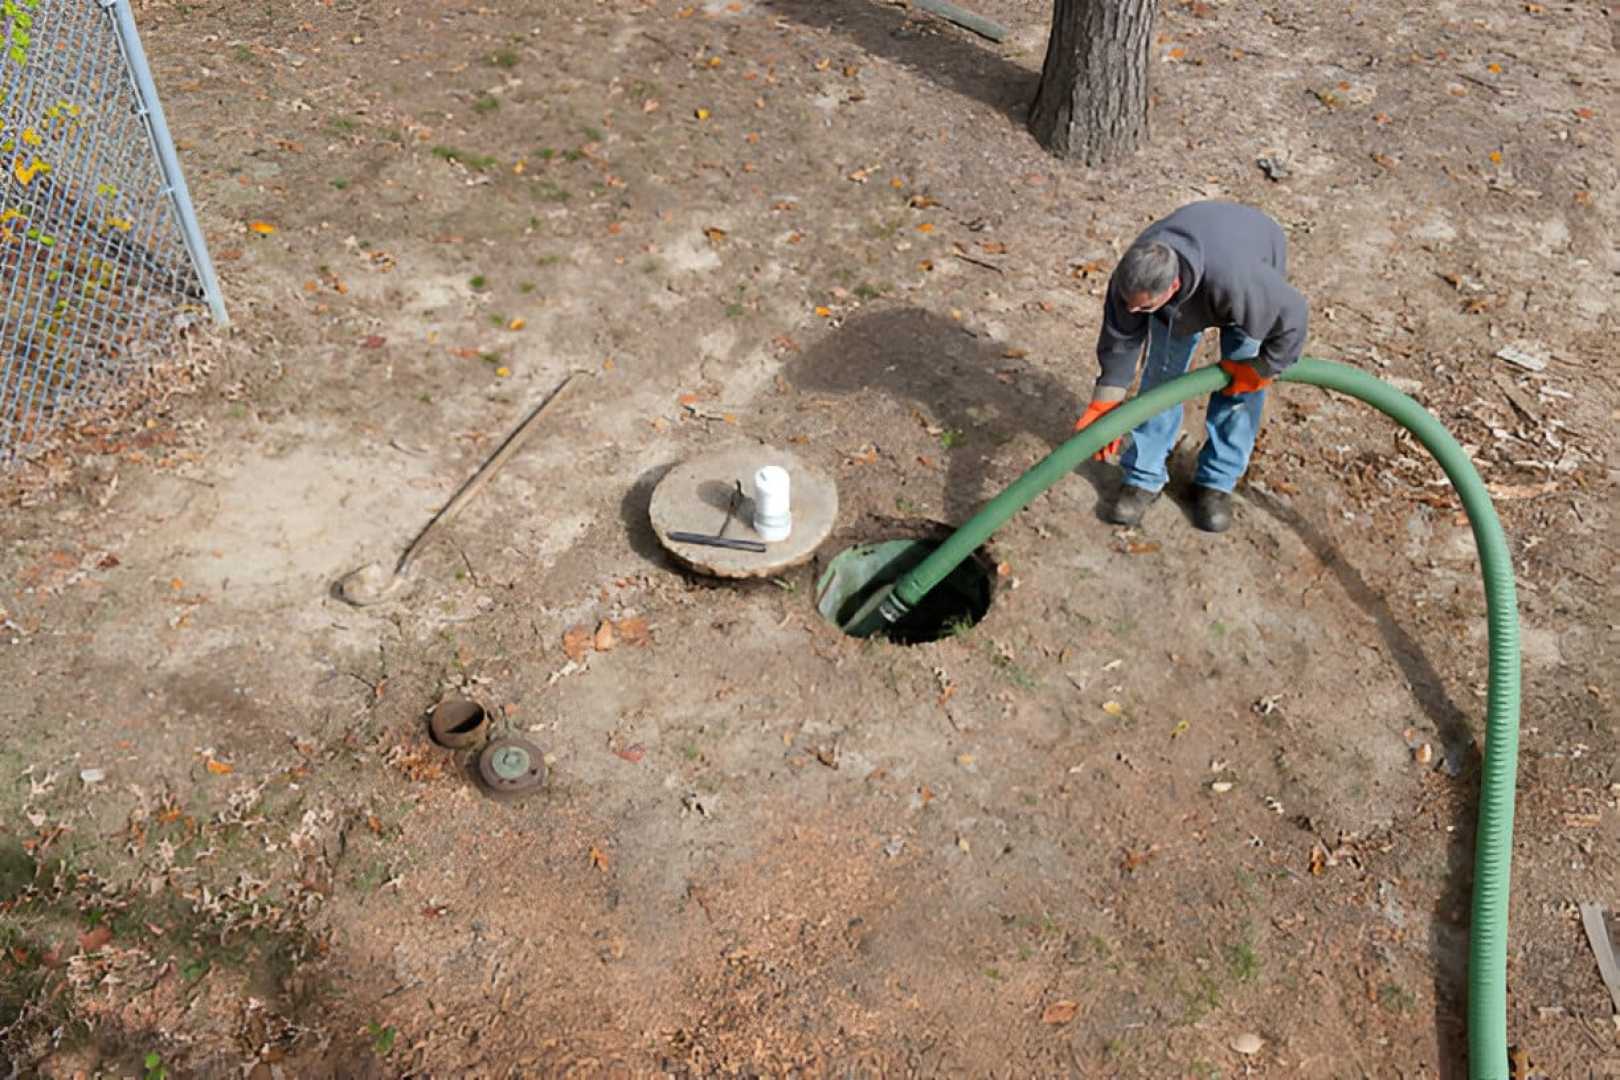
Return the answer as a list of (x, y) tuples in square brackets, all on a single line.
[(855, 573)]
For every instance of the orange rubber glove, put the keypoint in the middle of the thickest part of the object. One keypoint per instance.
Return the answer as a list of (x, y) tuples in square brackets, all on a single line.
[(1245, 380), (1094, 410)]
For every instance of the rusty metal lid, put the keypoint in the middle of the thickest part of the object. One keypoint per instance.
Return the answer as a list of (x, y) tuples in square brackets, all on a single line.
[(458, 723), (511, 766)]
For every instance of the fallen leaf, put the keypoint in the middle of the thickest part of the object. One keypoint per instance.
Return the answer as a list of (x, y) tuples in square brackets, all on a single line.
[(517, 324), (823, 311), (1496, 157), (993, 247), (925, 265), (176, 584), (1113, 708), (1014, 354), (633, 754), (1142, 547), (1060, 1012), (634, 631), (823, 64), (926, 227), (1384, 160), (464, 353), (896, 183), (1247, 1043), (1382, 118), (374, 824), (922, 202), (599, 858), (1494, 69), (91, 940), (220, 768), (604, 639), (263, 228), (650, 105), (373, 341), (686, 401), (1318, 860), (1003, 569), (576, 642), (715, 235), (701, 114), (502, 372), (1181, 728), (1133, 859)]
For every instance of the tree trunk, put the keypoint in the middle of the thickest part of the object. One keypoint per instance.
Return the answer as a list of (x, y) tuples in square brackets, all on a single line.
[(1092, 100)]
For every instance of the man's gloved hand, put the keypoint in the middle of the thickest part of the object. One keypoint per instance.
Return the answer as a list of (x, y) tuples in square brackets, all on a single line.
[(1245, 380), (1094, 410)]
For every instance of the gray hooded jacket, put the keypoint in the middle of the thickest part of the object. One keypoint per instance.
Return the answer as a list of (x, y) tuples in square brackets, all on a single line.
[(1233, 261)]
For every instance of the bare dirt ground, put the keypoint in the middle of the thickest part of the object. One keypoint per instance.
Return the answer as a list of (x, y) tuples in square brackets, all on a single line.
[(1173, 790)]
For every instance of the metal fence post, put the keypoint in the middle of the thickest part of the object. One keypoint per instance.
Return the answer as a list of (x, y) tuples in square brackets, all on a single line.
[(129, 42)]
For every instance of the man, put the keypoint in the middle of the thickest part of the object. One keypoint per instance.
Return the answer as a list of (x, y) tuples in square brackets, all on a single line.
[(1209, 264)]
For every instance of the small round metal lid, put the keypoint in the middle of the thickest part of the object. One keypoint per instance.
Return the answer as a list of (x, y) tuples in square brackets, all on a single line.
[(511, 766)]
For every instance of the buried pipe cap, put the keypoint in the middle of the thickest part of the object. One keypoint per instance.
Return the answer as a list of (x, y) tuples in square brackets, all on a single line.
[(511, 766), (458, 724)]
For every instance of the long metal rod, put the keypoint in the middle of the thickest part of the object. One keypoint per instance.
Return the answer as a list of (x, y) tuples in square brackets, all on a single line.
[(168, 160)]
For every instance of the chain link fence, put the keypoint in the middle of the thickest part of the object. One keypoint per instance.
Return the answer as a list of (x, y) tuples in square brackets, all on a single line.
[(101, 258)]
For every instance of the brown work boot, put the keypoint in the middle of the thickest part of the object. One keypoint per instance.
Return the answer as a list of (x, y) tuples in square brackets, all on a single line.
[(1212, 510), (1130, 504)]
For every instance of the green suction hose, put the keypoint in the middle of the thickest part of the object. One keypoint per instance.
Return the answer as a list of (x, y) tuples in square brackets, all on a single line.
[(1487, 943)]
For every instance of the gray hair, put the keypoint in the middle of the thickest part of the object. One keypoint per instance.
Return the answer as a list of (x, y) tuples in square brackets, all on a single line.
[(1147, 267)]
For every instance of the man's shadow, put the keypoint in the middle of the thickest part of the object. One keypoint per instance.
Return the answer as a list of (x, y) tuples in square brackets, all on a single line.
[(961, 381), (1448, 933)]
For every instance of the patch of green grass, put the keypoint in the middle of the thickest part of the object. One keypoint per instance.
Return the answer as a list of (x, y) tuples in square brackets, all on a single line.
[(504, 58), (573, 155), (340, 183), (1199, 1002), (493, 359), (1013, 673), (382, 1038), (951, 438), (592, 134), (244, 54), (425, 398), (486, 104), (958, 626), (691, 752), (550, 191), (154, 1066), (867, 291), (994, 973), (1396, 998), (545, 153), (905, 505), (477, 281), (525, 287), (497, 321), (476, 162), (548, 260), (1242, 962), (735, 311), (649, 266)]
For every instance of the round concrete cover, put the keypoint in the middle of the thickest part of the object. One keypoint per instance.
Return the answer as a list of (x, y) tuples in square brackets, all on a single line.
[(692, 497)]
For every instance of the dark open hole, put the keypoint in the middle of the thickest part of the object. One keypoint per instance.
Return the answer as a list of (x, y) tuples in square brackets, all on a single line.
[(951, 607), (463, 717)]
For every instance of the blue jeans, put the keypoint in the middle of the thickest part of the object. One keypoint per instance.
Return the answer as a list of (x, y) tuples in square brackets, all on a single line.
[(1232, 425)]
